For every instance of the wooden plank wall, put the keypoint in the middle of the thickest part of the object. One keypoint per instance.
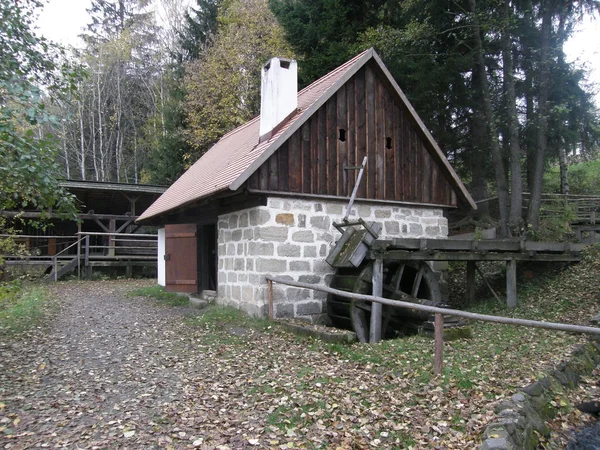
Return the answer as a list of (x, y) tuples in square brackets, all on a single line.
[(372, 118)]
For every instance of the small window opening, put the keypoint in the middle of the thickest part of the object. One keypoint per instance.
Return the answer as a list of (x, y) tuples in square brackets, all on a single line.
[(342, 135), (284, 64), (388, 142)]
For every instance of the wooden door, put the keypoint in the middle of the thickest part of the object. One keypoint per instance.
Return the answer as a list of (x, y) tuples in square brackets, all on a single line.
[(180, 258)]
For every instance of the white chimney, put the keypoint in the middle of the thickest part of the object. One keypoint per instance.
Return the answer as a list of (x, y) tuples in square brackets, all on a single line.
[(279, 94)]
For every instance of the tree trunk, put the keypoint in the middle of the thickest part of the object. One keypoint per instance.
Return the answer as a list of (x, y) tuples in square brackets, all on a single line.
[(495, 149), (533, 216), (564, 169), (516, 184), (81, 139)]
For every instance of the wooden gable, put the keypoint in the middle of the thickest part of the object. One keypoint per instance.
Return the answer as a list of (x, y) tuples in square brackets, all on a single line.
[(365, 117)]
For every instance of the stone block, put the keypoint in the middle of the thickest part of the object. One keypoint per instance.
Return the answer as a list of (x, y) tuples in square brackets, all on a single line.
[(230, 249), (275, 203), (383, 214), (236, 292), (239, 264), (233, 221), (433, 231), (271, 265), (318, 207), (288, 250), (249, 264), (223, 224), (285, 219), (240, 250), (261, 249), (301, 220), (416, 229), (221, 291), (310, 251), (363, 211), (248, 293), (325, 237), (287, 205), (312, 279), (242, 277), (404, 228), (302, 206), (320, 222), (236, 235), (254, 278), (228, 264), (300, 266), (243, 221), (302, 236), (297, 294), (334, 209), (279, 234), (392, 227), (308, 308), (534, 389), (259, 216), (232, 277), (283, 310), (323, 250), (496, 444)]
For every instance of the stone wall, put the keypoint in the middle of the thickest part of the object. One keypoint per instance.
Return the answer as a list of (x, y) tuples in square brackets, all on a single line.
[(291, 238)]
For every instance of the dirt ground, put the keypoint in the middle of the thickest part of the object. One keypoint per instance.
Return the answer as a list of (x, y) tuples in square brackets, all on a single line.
[(114, 371), (100, 376)]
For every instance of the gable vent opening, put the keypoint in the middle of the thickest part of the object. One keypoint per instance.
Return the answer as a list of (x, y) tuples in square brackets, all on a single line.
[(342, 135)]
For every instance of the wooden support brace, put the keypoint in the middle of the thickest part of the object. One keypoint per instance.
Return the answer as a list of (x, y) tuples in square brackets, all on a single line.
[(376, 308)]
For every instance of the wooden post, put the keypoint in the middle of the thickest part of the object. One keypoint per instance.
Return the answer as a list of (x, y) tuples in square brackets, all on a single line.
[(112, 226), (471, 268), (438, 361), (270, 297), (511, 284), (376, 308), (87, 255), (51, 246)]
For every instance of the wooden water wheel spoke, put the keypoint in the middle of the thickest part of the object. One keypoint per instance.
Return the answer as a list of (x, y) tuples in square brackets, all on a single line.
[(417, 281), (397, 278)]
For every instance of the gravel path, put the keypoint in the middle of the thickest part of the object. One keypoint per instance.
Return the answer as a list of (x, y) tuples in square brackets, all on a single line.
[(105, 374)]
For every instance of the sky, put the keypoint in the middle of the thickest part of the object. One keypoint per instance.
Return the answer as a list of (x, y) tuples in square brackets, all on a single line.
[(63, 20)]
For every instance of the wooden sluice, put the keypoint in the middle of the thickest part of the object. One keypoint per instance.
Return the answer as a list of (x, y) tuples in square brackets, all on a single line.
[(398, 269)]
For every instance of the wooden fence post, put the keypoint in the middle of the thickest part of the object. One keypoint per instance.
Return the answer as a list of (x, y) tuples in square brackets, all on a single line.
[(511, 284), (376, 308), (438, 362)]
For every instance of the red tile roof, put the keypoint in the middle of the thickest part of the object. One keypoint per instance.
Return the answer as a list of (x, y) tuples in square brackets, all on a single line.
[(238, 154)]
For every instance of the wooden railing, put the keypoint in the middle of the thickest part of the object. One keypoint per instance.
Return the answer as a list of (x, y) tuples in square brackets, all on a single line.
[(439, 313)]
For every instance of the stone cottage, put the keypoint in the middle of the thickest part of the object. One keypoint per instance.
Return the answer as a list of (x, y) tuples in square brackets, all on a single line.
[(263, 199)]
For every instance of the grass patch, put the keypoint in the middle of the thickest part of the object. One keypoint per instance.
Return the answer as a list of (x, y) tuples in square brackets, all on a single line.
[(221, 317), (159, 293), (22, 309)]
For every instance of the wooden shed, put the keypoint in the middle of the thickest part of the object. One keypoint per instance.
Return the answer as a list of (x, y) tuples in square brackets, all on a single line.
[(264, 197)]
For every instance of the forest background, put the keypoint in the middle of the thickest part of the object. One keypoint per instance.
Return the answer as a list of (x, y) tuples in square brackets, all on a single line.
[(145, 97)]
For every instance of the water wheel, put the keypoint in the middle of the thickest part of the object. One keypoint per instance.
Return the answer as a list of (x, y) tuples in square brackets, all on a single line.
[(414, 278)]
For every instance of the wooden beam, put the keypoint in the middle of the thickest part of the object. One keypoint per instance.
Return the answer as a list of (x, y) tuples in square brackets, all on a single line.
[(473, 256)]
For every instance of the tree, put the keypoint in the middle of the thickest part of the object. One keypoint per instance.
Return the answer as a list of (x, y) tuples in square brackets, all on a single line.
[(29, 174), (223, 86)]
